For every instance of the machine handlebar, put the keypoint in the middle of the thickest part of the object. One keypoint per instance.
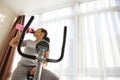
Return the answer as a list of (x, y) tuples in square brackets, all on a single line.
[(34, 57)]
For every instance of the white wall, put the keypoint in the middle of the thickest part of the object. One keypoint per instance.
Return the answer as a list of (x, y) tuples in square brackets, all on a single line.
[(7, 16)]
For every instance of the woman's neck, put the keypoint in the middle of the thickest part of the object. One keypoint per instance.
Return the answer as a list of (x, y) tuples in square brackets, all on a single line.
[(37, 40)]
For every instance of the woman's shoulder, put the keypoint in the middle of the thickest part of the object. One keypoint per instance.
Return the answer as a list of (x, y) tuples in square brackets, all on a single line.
[(28, 41)]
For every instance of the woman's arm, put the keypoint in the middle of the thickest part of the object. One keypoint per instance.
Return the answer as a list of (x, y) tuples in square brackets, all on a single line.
[(15, 40), (46, 56)]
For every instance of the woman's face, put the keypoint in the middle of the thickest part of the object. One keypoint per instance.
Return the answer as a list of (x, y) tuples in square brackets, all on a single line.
[(39, 34)]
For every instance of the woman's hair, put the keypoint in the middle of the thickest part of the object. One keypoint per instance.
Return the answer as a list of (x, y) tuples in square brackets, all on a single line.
[(45, 31), (45, 36), (47, 39)]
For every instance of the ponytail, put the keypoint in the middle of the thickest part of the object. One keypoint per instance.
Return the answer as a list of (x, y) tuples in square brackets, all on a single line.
[(47, 39), (45, 35)]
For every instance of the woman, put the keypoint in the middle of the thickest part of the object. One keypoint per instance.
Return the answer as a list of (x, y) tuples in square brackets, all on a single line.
[(26, 65)]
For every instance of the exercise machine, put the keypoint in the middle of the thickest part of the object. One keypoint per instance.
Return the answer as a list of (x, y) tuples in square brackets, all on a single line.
[(41, 48)]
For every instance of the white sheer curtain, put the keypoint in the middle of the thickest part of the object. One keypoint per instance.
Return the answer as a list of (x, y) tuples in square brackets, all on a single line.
[(99, 25)]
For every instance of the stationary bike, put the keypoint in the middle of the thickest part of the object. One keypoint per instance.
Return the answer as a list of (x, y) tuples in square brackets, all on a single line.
[(41, 48)]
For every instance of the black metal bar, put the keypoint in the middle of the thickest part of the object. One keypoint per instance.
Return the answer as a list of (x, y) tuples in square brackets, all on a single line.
[(63, 48), (34, 57), (22, 38)]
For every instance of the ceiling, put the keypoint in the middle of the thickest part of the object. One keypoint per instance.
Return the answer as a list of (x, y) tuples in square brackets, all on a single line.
[(32, 6)]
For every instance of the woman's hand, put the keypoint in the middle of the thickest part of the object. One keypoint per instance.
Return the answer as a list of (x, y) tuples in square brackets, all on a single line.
[(46, 56), (15, 40), (32, 72)]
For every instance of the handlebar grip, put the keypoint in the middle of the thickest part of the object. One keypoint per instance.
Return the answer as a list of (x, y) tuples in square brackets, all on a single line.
[(34, 57), (63, 48), (21, 40)]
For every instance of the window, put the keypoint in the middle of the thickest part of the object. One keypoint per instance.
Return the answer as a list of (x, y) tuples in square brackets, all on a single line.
[(2, 17)]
